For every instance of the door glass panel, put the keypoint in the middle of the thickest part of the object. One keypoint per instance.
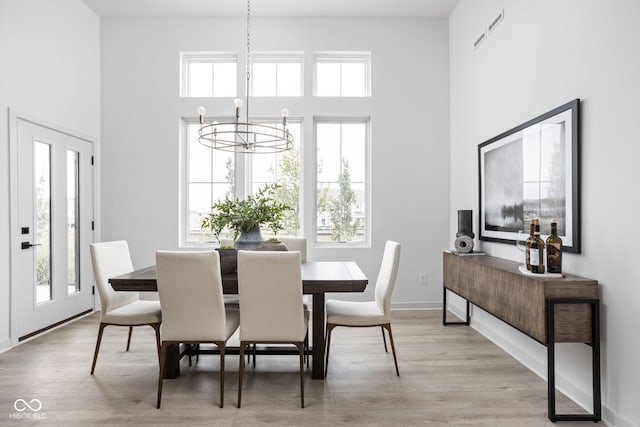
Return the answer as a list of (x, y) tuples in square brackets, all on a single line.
[(73, 226), (42, 229)]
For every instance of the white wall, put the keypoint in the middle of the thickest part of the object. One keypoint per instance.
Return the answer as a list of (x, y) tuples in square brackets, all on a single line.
[(409, 110), (50, 70), (544, 54)]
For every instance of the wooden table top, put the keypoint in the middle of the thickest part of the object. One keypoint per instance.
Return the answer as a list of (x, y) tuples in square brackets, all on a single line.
[(317, 277)]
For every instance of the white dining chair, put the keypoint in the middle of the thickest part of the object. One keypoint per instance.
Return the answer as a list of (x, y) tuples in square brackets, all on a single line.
[(190, 290), (293, 244), (111, 259), (370, 313), (298, 244), (271, 310)]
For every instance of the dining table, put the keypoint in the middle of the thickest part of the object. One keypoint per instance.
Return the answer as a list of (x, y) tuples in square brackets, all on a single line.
[(318, 279)]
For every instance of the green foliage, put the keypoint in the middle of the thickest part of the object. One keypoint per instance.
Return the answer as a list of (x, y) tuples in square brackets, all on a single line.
[(230, 177), (288, 191), (345, 225), (242, 215)]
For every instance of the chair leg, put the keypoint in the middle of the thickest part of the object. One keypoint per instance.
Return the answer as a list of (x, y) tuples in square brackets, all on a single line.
[(156, 327), (393, 348), (301, 351), (163, 358), (327, 340), (95, 353), (221, 347), (254, 355), (129, 338), (243, 344), (384, 339), (306, 348), (189, 351)]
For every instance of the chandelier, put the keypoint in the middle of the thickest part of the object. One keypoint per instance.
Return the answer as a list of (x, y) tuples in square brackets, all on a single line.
[(245, 135)]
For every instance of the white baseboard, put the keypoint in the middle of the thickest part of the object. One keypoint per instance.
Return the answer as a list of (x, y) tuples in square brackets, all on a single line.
[(531, 354), (610, 418), (421, 305)]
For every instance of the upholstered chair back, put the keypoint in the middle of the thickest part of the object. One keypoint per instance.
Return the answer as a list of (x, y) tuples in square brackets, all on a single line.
[(190, 291), (111, 259), (298, 244), (270, 289), (387, 276)]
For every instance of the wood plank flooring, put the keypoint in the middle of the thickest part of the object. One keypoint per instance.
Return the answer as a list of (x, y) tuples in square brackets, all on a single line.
[(449, 376)]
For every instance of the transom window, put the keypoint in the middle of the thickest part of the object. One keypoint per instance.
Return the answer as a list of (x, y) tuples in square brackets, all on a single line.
[(276, 74), (342, 74), (208, 74)]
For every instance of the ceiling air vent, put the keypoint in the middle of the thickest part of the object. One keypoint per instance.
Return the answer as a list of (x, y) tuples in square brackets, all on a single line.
[(479, 40), (496, 21)]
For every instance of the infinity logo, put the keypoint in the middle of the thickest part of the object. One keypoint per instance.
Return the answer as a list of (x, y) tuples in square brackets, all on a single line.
[(22, 405)]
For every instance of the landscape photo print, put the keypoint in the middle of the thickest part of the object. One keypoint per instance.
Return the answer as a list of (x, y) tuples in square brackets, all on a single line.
[(531, 171)]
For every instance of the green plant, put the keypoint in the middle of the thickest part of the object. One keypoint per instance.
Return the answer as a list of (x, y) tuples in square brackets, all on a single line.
[(243, 215)]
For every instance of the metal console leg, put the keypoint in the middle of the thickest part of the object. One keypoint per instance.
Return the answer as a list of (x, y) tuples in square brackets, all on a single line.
[(444, 311), (595, 360)]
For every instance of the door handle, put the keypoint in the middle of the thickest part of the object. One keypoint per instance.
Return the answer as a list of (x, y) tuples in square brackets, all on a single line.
[(27, 245)]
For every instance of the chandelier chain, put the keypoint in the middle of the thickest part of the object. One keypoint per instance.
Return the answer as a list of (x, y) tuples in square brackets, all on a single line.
[(248, 136), (248, 40)]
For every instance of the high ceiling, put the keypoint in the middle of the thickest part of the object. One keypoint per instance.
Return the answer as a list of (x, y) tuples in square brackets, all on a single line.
[(166, 8)]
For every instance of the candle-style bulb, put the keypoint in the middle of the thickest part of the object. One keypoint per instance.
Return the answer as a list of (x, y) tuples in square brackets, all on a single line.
[(201, 110)]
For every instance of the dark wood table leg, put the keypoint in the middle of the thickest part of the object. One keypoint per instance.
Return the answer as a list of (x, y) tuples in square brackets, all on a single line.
[(172, 362), (317, 343)]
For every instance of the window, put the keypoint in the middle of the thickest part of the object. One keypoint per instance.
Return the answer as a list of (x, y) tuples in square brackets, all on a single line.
[(282, 169), (338, 191), (342, 74), (208, 74), (212, 175), (341, 181), (276, 74)]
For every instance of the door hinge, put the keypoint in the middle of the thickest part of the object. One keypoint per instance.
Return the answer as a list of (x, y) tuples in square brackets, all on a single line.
[(93, 225), (91, 160), (93, 290)]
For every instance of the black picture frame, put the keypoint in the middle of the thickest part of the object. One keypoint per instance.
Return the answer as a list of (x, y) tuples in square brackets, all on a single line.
[(532, 170)]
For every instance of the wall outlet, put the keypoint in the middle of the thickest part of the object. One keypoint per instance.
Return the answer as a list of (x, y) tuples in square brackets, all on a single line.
[(423, 279)]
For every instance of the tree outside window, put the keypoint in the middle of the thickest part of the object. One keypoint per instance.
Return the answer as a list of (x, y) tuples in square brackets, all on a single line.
[(340, 179)]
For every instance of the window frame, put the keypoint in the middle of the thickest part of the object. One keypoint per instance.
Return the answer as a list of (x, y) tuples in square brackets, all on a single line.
[(294, 57), (243, 175), (343, 57), (366, 120), (188, 58)]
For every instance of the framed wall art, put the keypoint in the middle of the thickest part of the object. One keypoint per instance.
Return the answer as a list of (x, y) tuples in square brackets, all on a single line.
[(532, 171)]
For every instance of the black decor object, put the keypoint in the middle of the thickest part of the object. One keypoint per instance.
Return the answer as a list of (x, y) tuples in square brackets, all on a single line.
[(465, 223)]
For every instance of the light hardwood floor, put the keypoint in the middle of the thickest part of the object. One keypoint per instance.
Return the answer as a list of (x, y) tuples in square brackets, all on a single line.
[(448, 376)]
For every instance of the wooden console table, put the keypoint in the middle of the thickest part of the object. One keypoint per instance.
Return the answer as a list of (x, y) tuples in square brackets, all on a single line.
[(549, 310)]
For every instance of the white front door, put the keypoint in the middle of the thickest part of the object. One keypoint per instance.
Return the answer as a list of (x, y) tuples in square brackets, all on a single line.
[(50, 258)]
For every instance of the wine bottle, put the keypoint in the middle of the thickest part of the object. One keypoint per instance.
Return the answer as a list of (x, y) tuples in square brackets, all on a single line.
[(554, 250), (536, 252), (527, 252)]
